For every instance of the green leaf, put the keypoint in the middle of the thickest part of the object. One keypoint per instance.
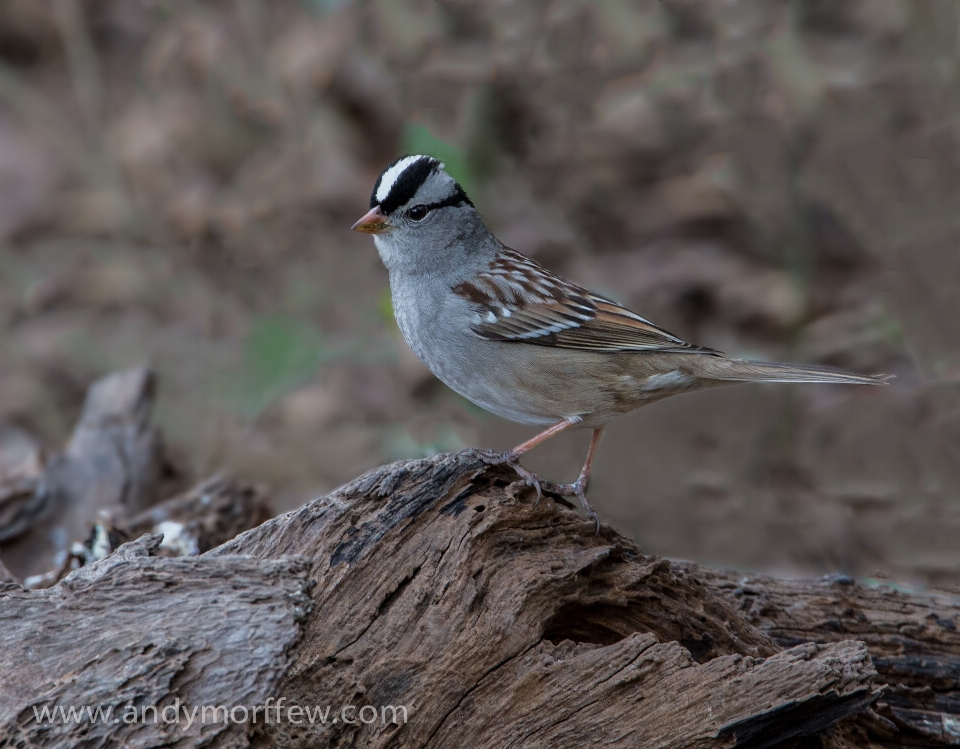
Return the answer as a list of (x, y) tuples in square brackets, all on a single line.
[(278, 354)]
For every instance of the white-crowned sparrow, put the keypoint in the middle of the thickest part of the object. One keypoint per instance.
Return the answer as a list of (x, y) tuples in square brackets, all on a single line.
[(515, 339)]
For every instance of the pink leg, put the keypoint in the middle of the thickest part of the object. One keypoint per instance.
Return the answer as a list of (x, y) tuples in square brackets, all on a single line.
[(546, 434), (577, 489), (584, 478)]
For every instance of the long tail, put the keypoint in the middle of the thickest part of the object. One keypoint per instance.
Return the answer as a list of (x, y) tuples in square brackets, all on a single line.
[(741, 370)]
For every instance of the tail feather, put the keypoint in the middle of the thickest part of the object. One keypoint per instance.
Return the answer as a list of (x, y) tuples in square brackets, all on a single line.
[(741, 370)]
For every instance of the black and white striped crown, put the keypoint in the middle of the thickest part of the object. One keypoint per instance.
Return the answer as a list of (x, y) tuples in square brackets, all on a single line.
[(415, 180)]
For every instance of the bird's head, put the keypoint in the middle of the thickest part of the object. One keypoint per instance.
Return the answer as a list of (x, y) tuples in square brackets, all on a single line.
[(417, 211)]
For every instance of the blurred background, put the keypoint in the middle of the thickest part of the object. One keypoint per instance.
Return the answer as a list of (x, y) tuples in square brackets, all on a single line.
[(772, 179)]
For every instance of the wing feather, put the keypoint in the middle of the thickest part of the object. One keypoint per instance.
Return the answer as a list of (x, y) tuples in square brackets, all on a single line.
[(519, 300)]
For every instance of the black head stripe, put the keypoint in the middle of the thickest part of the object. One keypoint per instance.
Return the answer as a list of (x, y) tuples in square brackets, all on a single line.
[(459, 197), (406, 185), (409, 181), (376, 186)]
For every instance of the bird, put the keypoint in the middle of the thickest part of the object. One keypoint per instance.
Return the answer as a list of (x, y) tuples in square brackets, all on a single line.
[(520, 341)]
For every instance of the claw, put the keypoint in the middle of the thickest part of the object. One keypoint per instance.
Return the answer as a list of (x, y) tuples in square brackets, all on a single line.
[(576, 489), (492, 458), (509, 458), (530, 479), (487, 456), (536, 485)]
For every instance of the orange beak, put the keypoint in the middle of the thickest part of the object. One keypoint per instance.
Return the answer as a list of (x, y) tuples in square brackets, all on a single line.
[(373, 222)]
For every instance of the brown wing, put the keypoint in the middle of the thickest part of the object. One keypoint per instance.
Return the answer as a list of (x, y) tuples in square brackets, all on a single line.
[(518, 300)]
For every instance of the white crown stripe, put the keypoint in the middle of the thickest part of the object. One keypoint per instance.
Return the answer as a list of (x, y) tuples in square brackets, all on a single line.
[(390, 177)]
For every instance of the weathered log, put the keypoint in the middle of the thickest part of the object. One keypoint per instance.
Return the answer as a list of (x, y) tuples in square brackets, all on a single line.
[(137, 630), (432, 585), (112, 462), (22, 499), (914, 640), (209, 514), (60, 510)]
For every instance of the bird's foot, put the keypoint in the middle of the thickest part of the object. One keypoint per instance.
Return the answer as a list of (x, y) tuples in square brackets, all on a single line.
[(577, 489), (511, 458), (492, 457)]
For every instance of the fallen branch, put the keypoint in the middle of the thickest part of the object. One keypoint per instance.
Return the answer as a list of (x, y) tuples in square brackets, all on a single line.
[(438, 590)]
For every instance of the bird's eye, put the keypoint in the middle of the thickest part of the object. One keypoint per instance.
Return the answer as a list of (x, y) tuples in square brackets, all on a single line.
[(418, 212)]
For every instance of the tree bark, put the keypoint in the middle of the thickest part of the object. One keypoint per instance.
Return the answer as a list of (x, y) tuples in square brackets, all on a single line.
[(113, 462), (914, 640), (440, 586)]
